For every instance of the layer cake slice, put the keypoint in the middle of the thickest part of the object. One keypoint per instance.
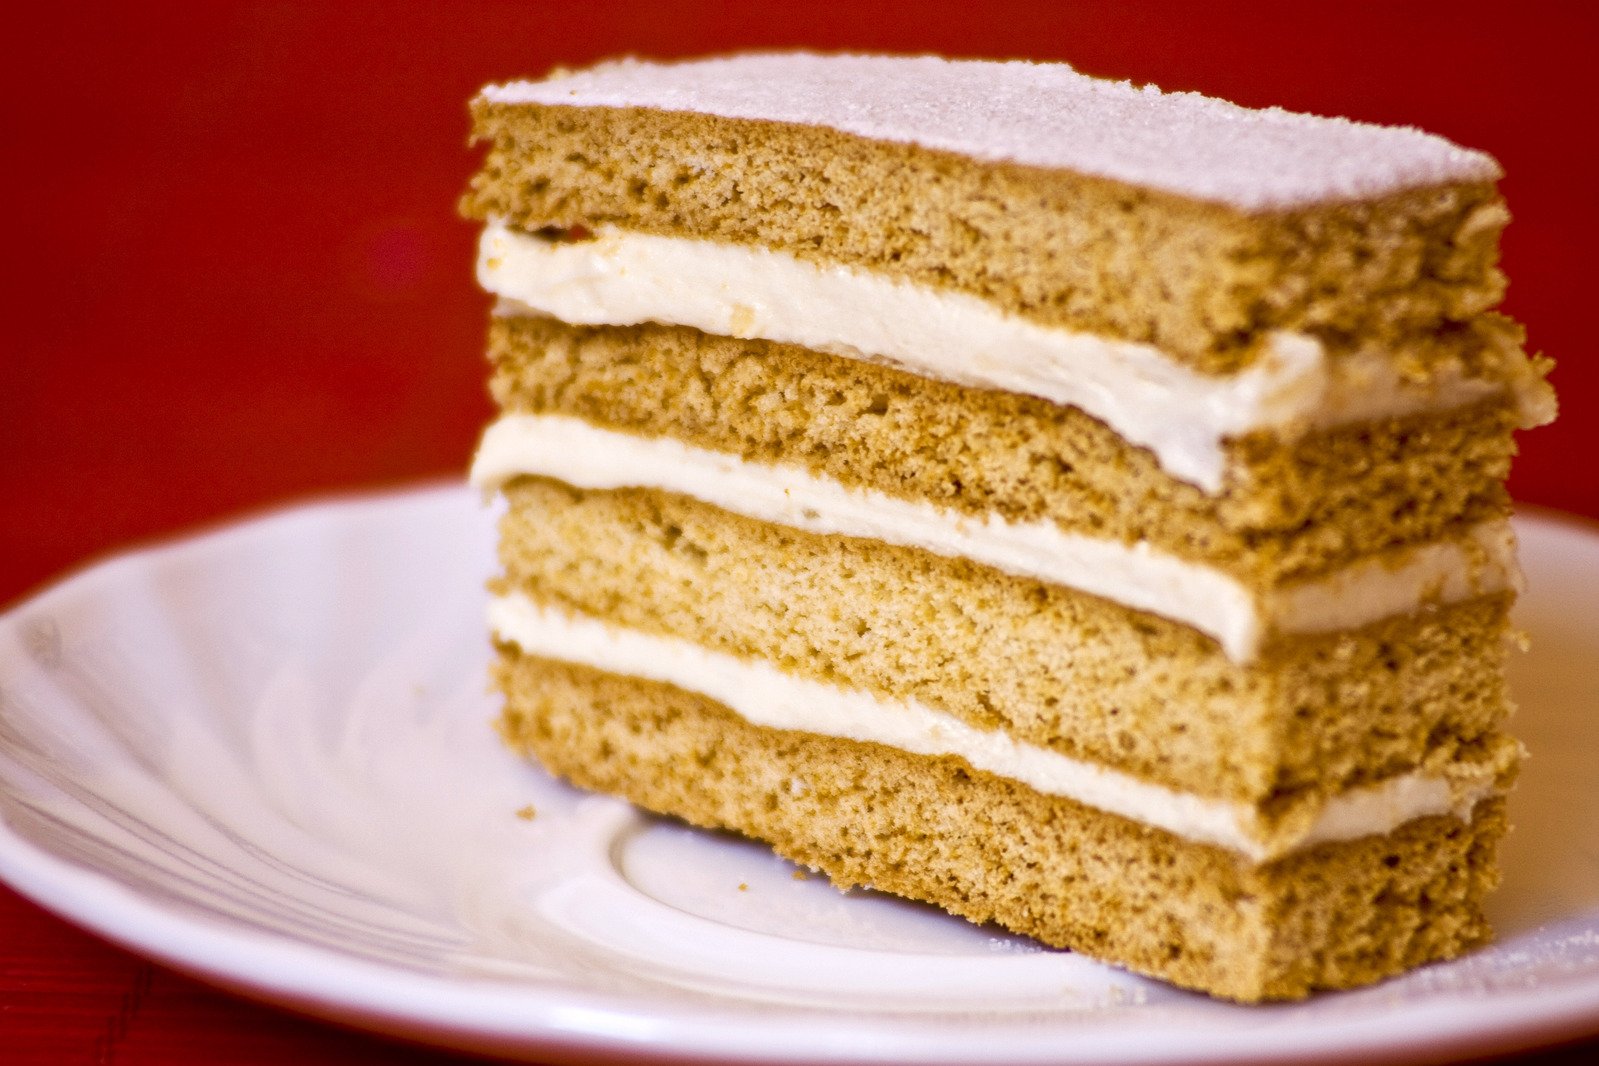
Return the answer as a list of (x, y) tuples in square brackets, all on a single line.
[(1078, 506)]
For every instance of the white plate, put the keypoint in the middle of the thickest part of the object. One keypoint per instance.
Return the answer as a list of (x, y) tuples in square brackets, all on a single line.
[(263, 756)]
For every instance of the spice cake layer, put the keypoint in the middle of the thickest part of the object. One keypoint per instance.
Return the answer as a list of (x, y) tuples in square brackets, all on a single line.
[(1307, 719), (1290, 509), (1170, 219), (1334, 915), (1144, 393)]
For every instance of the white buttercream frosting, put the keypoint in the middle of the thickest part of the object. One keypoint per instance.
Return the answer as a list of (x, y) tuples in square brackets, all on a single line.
[(765, 696), (1136, 575), (1038, 114), (1183, 416)]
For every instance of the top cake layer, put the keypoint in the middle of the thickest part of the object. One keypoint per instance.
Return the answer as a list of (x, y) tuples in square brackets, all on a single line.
[(1040, 114), (1190, 225)]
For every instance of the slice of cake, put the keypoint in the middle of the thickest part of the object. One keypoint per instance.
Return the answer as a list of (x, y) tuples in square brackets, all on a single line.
[(1077, 506)]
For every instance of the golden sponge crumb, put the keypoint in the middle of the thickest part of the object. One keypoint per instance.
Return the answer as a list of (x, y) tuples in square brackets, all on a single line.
[(1054, 667), (1289, 509), (1200, 280), (1334, 916)]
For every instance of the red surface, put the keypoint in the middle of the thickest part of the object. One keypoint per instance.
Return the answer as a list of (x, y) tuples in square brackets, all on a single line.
[(235, 278)]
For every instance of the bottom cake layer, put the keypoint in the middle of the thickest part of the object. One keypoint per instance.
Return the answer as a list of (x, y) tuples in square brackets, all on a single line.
[(989, 849)]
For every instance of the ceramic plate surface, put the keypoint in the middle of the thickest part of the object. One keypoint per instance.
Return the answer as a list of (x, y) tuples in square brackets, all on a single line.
[(263, 756)]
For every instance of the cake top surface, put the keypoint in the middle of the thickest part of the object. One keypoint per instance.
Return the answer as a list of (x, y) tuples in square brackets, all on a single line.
[(1038, 114)]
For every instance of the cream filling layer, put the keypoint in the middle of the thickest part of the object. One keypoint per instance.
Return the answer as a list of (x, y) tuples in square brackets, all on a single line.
[(765, 696), (1184, 417), (1136, 575)]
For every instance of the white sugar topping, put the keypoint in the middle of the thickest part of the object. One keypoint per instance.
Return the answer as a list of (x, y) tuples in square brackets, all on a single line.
[(1039, 114)]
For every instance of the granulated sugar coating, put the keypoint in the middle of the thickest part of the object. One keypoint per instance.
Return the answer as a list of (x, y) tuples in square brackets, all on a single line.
[(1040, 114)]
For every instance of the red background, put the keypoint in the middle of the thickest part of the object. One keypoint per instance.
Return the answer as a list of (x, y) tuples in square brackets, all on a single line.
[(234, 278)]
